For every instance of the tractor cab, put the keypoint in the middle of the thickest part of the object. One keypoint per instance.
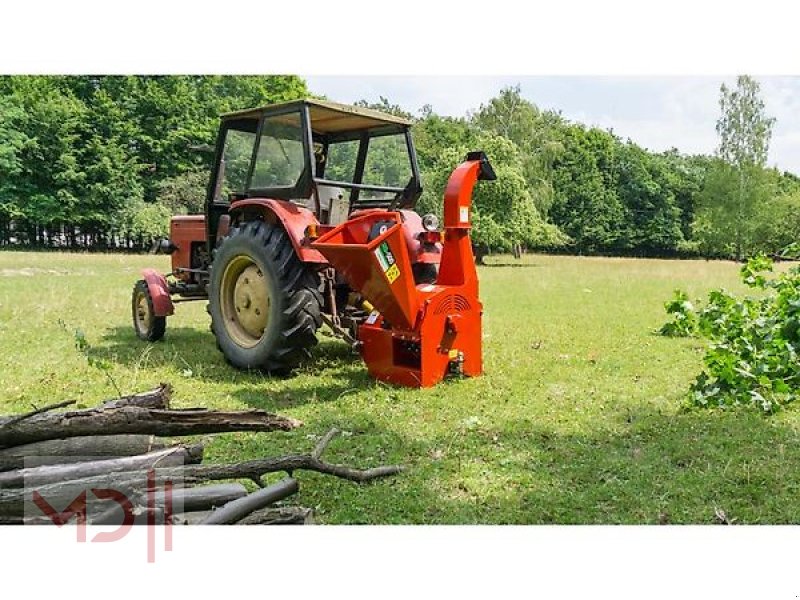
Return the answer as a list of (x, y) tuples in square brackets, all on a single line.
[(329, 158)]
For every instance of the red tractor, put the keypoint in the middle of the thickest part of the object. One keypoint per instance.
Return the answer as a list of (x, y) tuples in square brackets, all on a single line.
[(310, 219)]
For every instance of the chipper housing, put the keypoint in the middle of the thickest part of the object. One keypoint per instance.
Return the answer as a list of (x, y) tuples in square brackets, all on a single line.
[(418, 333)]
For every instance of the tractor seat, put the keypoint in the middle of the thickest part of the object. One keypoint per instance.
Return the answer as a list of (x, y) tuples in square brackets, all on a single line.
[(334, 204)]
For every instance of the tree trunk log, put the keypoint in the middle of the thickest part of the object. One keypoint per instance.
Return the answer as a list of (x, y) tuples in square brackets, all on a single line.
[(203, 498), (38, 476), (157, 398), (77, 449), (182, 500), (136, 419), (238, 509)]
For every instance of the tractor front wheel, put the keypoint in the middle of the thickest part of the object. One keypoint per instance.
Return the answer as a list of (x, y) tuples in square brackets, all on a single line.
[(265, 304), (147, 325)]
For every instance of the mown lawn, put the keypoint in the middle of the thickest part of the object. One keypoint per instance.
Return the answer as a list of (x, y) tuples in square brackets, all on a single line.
[(577, 419)]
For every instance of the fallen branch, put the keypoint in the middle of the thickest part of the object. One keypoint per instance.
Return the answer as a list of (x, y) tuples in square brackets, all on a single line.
[(158, 398), (136, 419), (38, 476), (324, 442), (256, 469), (241, 507), (205, 497), (77, 449)]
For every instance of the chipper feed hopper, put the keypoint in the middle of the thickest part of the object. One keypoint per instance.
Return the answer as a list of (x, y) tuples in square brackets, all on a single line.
[(310, 220)]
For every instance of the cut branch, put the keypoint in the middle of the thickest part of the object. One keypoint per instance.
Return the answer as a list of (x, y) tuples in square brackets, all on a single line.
[(158, 398), (37, 476), (77, 449), (136, 419), (241, 507)]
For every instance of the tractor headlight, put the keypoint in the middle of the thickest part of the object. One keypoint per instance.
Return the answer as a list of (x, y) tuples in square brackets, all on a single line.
[(430, 222)]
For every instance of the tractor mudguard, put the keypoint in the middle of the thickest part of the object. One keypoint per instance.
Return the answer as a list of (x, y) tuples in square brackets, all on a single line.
[(294, 219), (159, 292)]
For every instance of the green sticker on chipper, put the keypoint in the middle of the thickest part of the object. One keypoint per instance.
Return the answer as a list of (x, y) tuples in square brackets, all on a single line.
[(387, 261)]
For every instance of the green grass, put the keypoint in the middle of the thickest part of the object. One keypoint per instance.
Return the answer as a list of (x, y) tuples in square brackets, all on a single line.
[(577, 419)]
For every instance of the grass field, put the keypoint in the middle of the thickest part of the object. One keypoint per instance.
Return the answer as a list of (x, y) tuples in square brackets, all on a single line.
[(577, 419)]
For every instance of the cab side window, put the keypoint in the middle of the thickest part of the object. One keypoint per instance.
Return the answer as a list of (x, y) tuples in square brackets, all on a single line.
[(236, 156), (280, 160)]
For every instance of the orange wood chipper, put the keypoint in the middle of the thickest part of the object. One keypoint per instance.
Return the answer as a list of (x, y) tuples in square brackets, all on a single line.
[(310, 219)]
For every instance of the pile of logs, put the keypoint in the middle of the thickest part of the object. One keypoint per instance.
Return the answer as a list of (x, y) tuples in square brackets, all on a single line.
[(121, 445)]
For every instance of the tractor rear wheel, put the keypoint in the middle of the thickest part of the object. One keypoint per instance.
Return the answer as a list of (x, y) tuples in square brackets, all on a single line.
[(147, 325), (265, 304)]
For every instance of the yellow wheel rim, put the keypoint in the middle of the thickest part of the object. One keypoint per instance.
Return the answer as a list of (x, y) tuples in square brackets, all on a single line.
[(245, 301), (143, 315)]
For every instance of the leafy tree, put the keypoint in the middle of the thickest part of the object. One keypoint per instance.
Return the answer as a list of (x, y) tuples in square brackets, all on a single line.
[(684, 176), (13, 145), (433, 133), (744, 132), (385, 106), (184, 193), (503, 210), (726, 223), (535, 134), (587, 207), (144, 222), (653, 217)]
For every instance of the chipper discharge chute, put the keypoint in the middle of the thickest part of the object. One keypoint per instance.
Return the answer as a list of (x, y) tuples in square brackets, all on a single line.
[(417, 333)]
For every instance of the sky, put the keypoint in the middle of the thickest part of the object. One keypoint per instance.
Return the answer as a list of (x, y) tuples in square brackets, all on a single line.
[(657, 113)]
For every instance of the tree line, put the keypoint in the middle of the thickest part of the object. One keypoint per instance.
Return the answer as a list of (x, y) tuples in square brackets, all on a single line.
[(100, 162), (104, 161)]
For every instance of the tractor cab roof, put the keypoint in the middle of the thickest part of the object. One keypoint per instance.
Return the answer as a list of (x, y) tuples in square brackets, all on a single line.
[(328, 118)]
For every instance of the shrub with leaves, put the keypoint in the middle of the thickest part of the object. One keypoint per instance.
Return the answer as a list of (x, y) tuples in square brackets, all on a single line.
[(754, 341), (684, 316)]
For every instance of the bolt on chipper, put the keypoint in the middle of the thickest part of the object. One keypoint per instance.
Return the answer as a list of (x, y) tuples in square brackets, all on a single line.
[(309, 219)]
